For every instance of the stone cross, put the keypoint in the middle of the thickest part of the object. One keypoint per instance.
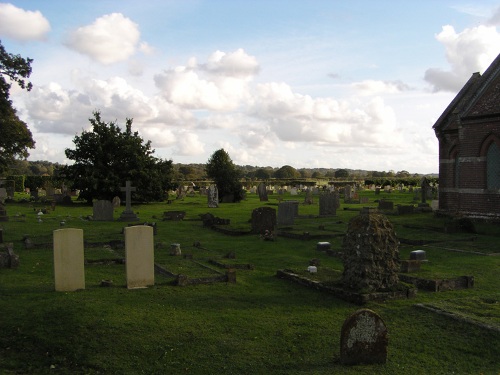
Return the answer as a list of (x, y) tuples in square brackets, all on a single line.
[(128, 189)]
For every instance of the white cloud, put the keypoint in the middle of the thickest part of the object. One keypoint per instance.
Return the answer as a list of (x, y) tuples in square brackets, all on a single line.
[(467, 52), (189, 144), (111, 38), (373, 87), (222, 84), (22, 25), (235, 64)]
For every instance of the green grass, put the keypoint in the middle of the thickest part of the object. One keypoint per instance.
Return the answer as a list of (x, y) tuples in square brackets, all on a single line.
[(261, 324)]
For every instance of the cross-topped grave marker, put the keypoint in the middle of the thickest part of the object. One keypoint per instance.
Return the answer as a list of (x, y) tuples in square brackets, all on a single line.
[(128, 214)]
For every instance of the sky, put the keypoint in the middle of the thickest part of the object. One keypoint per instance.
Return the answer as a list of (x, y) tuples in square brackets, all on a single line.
[(354, 84)]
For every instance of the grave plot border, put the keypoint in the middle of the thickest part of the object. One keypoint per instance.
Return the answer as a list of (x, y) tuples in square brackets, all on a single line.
[(231, 266), (439, 285), (346, 295)]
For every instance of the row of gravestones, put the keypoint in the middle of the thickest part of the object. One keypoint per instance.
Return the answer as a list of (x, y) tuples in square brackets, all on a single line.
[(69, 272)]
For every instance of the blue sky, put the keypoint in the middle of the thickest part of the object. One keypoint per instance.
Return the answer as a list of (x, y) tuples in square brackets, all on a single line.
[(334, 84)]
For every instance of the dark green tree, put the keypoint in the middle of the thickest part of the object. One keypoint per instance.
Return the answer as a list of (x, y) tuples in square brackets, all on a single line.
[(341, 173), (16, 138), (105, 157), (262, 174), (287, 171), (221, 169)]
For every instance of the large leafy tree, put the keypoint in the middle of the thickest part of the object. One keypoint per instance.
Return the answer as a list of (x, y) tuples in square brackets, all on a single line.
[(226, 176), (287, 171), (105, 157), (16, 138)]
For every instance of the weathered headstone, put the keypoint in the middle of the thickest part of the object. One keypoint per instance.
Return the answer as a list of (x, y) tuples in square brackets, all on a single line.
[(328, 203), (263, 219), (286, 213), (139, 256), (102, 211), (116, 202), (347, 193), (213, 196), (7, 257), (3, 194), (293, 191), (363, 339), (128, 214), (3, 212), (69, 272), (370, 254), (262, 191), (418, 255), (175, 249)]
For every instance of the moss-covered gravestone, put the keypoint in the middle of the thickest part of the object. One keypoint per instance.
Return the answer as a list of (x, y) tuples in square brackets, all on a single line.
[(363, 339), (370, 254)]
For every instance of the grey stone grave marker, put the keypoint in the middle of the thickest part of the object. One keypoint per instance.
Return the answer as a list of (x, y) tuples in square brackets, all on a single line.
[(263, 219), (328, 203), (128, 214), (102, 211), (262, 191), (286, 213), (213, 196), (139, 256)]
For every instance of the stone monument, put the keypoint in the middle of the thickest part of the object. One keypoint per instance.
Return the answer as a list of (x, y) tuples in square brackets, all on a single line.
[(370, 254), (128, 214)]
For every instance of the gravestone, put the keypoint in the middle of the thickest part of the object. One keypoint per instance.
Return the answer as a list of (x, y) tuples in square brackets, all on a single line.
[(3, 194), (347, 193), (69, 272), (263, 219), (7, 257), (328, 203), (370, 254), (213, 196), (293, 191), (309, 198), (286, 213), (175, 249), (262, 191), (139, 256), (385, 205), (3, 212), (102, 211), (418, 255), (363, 339), (116, 202), (128, 214)]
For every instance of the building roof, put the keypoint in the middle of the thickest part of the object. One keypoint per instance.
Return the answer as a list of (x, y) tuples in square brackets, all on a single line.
[(480, 96)]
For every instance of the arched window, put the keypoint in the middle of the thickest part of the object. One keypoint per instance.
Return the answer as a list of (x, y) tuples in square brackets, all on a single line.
[(493, 167)]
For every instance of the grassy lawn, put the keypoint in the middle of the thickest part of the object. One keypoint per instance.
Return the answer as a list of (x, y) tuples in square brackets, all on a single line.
[(259, 325)]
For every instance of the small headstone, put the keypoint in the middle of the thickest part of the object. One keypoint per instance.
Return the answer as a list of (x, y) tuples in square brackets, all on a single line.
[(312, 269), (213, 196), (116, 202), (102, 211), (323, 246), (3, 212), (139, 256), (262, 191), (418, 255), (7, 257), (69, 273), (363, 339), (175, 249), (293, 191)]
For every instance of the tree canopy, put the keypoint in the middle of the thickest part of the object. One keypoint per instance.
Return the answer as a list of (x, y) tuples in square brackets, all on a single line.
[(15, 138), (226, 176), (105, 157), (287, 171)]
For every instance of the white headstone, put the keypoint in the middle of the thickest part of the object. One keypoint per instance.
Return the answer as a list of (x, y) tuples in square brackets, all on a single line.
[(139, 256), (69, 271)]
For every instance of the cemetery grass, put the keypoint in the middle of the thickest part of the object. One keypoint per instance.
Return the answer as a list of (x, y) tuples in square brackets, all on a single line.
[(258, 325)]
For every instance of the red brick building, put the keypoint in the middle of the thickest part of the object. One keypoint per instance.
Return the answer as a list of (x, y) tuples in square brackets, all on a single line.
[(469, 148)]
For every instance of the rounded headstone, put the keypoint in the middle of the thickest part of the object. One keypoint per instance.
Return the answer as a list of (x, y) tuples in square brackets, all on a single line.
[(363, 339)]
